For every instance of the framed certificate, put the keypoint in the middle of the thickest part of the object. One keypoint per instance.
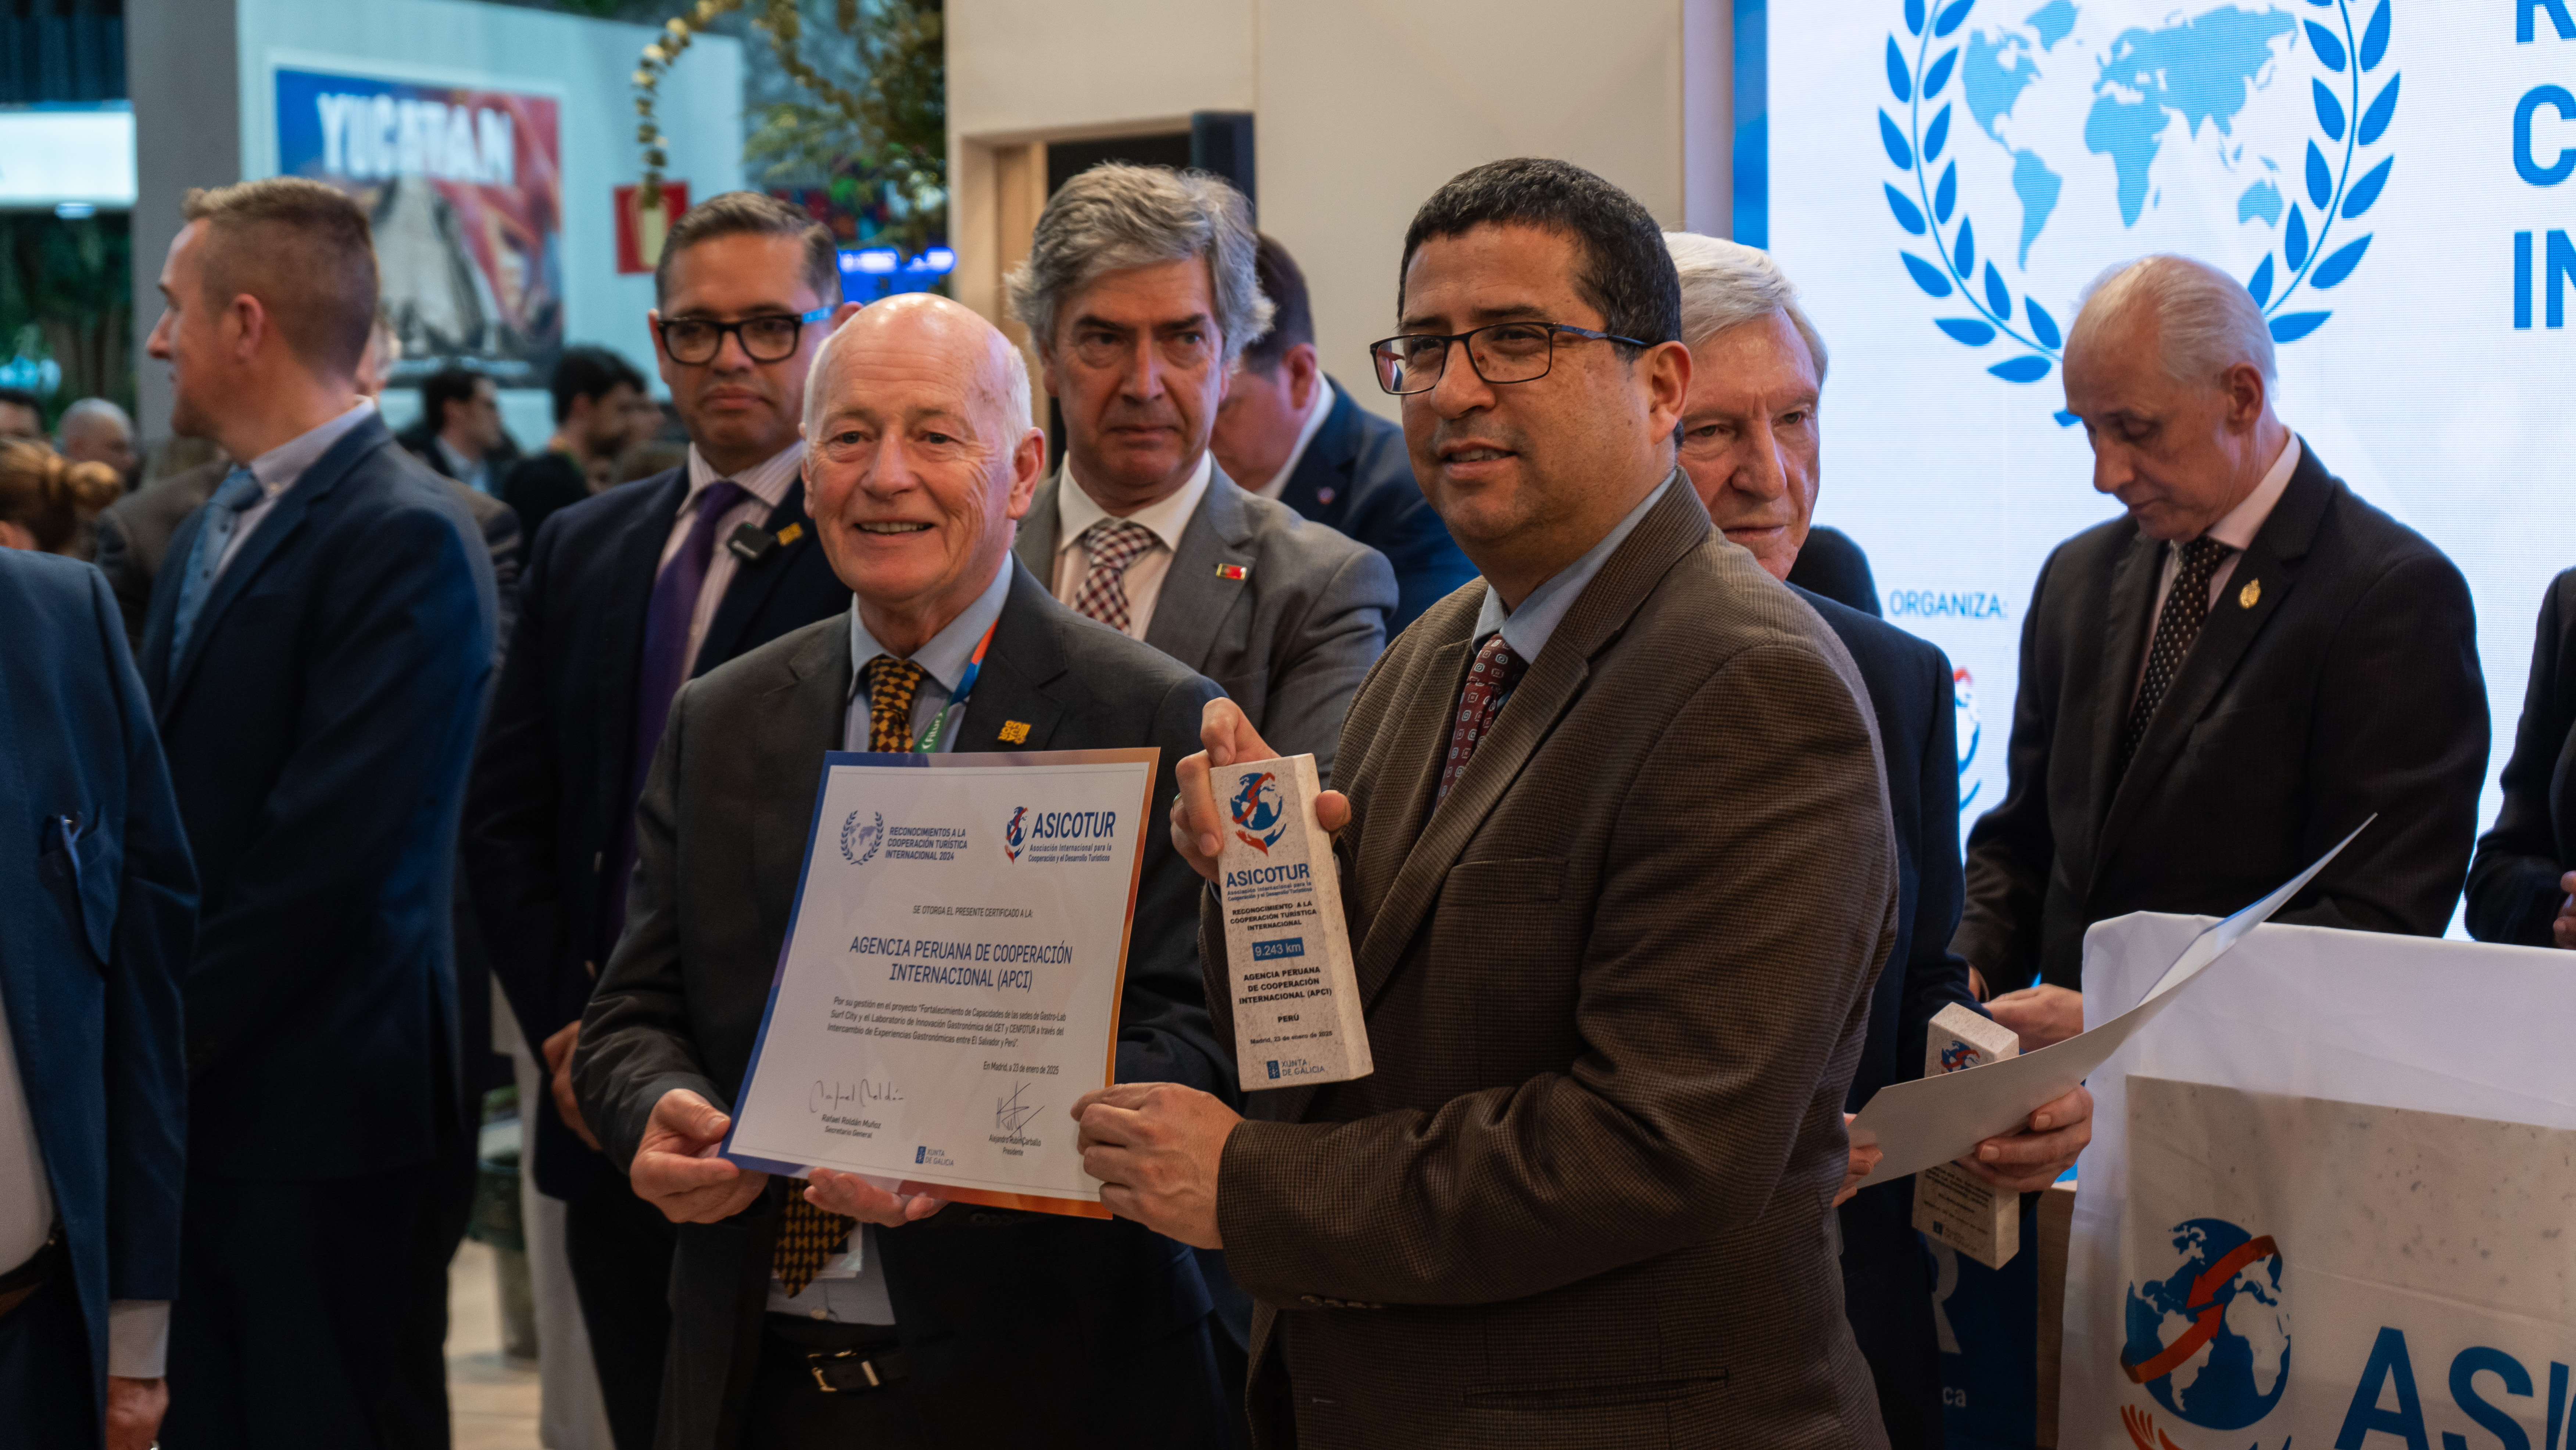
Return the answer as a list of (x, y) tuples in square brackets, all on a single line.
[(951, 977)]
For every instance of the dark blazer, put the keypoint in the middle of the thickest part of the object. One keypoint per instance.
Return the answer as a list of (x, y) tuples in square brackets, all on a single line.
[(134, 535), (1289, 639), (96, 929), (2346, 683), (1887, 1288), (318, 730), (1832, 566), (1616, 984), (551, 777), (2513, 881), (732, 791), (1356, 477)]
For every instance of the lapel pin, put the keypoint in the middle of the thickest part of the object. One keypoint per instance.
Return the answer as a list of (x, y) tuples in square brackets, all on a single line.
[(1324, 495), (791, 534), (1015, 732), (1232, 571), (2250, 595)]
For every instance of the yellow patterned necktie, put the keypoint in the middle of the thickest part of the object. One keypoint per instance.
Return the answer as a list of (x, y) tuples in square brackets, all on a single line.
[(810, 1237)]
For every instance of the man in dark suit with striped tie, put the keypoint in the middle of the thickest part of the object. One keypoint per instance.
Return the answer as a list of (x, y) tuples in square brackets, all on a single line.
[(627, 595)]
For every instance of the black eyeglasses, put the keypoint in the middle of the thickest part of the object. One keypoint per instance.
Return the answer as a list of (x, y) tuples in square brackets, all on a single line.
[(768, 338), (1504, 352)]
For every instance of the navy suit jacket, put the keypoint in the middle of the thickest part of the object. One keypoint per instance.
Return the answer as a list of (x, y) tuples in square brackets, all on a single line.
[(318, 729), (1022, 1328), (97, 918), (551, 777), (1356, 477), (2513, 879)]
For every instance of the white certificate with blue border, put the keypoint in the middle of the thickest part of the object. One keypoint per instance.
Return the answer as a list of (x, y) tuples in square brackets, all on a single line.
[(951, 977)]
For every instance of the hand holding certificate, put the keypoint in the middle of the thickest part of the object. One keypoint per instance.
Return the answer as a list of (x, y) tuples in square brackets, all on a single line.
[(951, 977)]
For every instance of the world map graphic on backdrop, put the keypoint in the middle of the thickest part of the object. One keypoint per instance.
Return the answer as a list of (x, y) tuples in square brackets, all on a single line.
[(2194, 130)]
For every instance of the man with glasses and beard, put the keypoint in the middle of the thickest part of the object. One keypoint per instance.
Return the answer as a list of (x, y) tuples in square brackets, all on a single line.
[(627, 595)]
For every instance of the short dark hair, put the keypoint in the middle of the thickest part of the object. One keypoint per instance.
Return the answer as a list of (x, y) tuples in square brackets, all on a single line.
[(1292, 316), (23, 399), (589, 372), (736, 213), (450, 384), (305, 250), (1623, 270)]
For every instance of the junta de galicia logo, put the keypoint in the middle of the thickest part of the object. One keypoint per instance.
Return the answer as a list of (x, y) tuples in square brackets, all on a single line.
[(2210, 1341), (1260, 818), (859, 843), (1015, 834), (2170, 120)]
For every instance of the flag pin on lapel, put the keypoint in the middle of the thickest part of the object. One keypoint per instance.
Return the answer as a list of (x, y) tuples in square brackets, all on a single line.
[(1232, 571), (1015, 732), (2250, 595)]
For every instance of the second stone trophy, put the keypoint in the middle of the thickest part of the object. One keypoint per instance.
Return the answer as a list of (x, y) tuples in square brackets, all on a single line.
[(1296, 996)]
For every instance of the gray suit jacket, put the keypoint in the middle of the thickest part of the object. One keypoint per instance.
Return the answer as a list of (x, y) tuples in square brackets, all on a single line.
[(1289, 639), (720, 832), (1616, 983), (134, 533)]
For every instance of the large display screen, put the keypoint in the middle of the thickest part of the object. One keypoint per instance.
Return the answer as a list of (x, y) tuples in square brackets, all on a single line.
[(466, 189), (2390, 178)]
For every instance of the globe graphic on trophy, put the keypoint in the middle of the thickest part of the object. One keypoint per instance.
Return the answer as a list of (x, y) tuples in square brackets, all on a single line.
[(2211, 1340)]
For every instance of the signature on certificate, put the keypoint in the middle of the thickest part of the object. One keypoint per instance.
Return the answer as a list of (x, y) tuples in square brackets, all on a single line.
[(1012, 1113), (825, 1097)]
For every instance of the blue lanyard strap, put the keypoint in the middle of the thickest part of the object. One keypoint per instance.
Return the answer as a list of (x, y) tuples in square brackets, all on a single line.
[(928, 744)]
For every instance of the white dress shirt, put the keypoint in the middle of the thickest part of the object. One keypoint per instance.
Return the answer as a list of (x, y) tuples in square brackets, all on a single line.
[(1316, 412), (2237, 532), (767, 483), (476, 475), (1076, 510), (278, 469)]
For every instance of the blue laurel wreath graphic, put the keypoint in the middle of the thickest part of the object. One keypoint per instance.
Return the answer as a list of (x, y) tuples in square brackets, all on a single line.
[(1916, 147)]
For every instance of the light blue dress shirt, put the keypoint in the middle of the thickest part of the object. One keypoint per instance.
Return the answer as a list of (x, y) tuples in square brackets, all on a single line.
[(1528, 628), (851, 1289), (943, 664)]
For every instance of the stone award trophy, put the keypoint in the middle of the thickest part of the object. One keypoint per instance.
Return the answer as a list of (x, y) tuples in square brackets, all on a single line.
[(1296, 996), (1977, 1219)]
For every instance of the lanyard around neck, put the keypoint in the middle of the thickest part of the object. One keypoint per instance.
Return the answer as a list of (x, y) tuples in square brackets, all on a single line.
[(928, 744)]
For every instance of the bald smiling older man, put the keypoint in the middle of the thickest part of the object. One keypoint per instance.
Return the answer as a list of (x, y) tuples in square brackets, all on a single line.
[(974, 1326)]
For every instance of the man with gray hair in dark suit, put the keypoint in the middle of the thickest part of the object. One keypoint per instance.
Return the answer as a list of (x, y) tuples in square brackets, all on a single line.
[(1140, 294), (840, 1314)]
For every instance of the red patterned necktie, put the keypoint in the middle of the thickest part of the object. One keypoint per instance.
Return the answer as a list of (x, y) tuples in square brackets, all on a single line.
[(1113, 544), (1489, 680)]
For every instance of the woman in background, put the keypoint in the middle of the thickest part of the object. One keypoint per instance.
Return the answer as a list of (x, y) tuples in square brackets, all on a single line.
[(48, 502)]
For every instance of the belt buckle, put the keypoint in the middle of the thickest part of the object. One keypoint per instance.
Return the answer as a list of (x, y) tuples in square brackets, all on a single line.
[(814, 1365)]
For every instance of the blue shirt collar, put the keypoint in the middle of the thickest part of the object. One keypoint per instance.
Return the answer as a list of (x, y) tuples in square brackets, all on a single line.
[(944, 657), (1527, 628)]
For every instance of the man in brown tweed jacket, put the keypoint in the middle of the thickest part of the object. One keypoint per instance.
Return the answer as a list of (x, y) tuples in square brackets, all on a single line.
[(1619, 876)]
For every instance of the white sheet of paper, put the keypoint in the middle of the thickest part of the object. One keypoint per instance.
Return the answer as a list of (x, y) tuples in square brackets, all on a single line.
[(951, 977), (1936, 1119)]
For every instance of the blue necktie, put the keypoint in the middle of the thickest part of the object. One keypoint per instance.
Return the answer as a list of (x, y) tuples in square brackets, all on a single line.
[(659, 676), (239, 490)]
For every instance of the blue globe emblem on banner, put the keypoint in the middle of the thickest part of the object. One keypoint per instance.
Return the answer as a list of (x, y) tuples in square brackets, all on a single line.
[(2032, 150), (1258, 811), (2211, 1340)]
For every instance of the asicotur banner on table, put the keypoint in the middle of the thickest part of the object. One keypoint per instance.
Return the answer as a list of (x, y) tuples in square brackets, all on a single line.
[(2329, 1200), (465, 186)]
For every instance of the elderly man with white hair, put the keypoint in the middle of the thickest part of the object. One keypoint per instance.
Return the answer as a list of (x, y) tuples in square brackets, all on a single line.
[(839, 1314), (2223, 682), (1751, 444)]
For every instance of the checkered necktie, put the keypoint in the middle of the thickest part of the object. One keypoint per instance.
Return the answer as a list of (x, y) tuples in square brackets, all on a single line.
[(238, 491), (1489, 680), (810, 1237), (2176, 627), (1113, 544), (892, 683)]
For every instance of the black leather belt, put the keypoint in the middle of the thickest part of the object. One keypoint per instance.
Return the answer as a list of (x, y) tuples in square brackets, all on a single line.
[(21, 1283), (842, 1359)]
